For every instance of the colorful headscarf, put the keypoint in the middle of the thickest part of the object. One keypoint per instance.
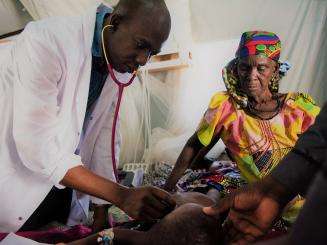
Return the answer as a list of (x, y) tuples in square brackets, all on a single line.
[(263, 43), (259, 42)]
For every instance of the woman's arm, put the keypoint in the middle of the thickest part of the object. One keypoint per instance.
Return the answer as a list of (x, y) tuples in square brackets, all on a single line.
[(192, 151), (189, 152)]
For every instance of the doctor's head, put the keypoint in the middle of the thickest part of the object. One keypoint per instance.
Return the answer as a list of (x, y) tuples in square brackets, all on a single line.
[(139, 28)]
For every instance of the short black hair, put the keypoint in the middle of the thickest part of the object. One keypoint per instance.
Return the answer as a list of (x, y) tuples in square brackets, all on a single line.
[(128, 8)]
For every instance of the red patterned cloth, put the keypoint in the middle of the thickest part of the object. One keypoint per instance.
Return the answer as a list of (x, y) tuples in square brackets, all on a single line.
[(55, 235)]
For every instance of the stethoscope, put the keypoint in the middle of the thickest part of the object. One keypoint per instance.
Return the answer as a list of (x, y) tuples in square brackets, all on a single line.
[(121, 86)]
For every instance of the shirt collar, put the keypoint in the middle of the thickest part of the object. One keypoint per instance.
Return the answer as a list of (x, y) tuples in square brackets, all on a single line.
[(102, 11)]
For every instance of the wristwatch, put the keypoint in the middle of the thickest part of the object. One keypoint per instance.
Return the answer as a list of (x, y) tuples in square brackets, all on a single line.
[(106, 237)]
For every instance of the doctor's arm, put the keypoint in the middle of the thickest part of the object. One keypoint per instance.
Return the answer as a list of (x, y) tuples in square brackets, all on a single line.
[(37, 129), (145, 203)]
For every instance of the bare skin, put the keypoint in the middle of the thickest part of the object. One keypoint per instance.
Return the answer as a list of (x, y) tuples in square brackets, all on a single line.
[(252, 210), (188, 210), (136, 33), (192, 154), (140, 203), (255, 73)]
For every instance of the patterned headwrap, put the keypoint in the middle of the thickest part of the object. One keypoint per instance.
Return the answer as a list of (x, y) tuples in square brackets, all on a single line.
[(259, 43), (263, 43)]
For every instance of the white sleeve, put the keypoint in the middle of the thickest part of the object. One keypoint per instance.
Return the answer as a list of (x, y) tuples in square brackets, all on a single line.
[(101, 162), (35, 123)]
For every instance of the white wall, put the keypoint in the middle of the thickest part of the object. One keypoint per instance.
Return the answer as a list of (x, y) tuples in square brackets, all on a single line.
[(12, 16), (301, 25)]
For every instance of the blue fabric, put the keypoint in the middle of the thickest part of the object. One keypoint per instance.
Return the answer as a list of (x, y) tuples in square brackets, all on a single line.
[(99, 72), (102, 11)]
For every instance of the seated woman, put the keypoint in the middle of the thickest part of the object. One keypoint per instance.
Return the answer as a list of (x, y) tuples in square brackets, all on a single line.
[(258, 125), (187, 224)]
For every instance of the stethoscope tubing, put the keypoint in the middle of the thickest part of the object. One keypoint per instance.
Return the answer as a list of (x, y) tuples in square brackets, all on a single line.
[(121, 86)]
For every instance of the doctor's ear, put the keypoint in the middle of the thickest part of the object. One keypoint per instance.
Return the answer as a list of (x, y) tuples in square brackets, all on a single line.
[(115, 20)]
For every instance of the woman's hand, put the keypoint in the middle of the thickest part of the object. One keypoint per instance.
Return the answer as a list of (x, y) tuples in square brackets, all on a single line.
[(146, 203)]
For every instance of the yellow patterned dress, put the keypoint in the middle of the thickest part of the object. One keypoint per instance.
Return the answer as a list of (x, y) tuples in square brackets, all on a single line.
[(256, 145)]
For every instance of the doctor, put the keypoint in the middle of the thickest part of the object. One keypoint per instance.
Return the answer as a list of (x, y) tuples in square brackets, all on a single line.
[(57, 102)]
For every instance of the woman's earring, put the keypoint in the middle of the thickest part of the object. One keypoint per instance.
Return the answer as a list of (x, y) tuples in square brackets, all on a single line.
[(274, 83), (275, 78)]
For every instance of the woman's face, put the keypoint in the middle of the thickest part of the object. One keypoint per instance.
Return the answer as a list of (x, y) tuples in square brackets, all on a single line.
[(255, 73)]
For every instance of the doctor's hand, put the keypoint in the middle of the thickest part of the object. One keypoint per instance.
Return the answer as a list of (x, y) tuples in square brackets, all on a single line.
[(252, 210), (146, 203)]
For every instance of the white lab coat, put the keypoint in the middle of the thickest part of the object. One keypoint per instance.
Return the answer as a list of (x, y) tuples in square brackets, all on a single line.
[(44, 84)]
